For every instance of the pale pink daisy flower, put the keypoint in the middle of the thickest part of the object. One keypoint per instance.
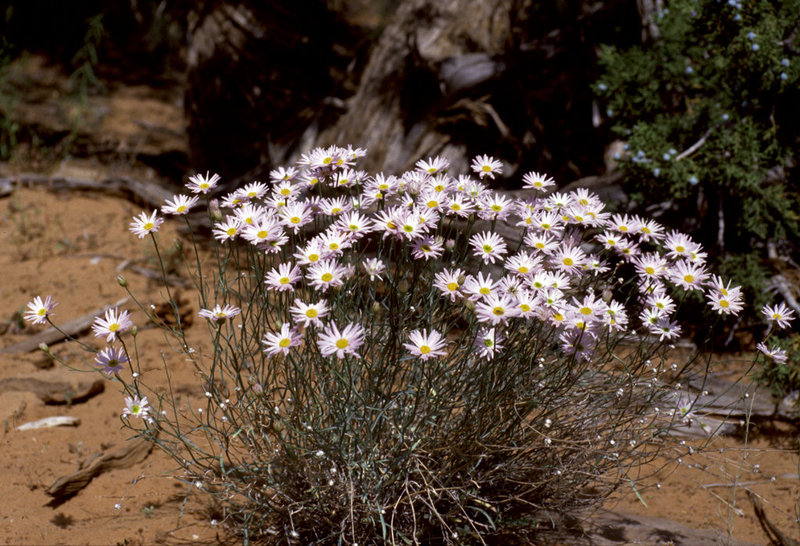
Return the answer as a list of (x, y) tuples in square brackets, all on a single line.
[(776, 353), (309, 313), (295, 215), (202, 184), (355, 224), (726, 304), (537, 181), (544, 243), (114, 323), (522, 263), (226, 230), (488, 245), (283, 277), (666, 329), (433, 165), (623, 224), (331, 341), (649, 230), (527, 302), (488, 342), (426, 345), (615, 317), (449, 281), (688, 276), (569, 258), (494, 206), (39, 310), (179, 205), (484, 165), (282, 174), (136, 407), (427, 247), (478, 287), (679, 245), (650, 266), (496, 309), (143, 224), (325, 274), (282, 341), (778, 314), (110, 360), (254, 190), (311, 253), (219, 314)]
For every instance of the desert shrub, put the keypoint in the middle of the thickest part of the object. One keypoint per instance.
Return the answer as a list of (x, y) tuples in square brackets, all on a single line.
[(707, 112), (413, 358)]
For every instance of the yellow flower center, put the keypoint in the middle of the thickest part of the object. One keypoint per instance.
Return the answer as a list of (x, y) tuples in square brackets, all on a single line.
[(539, 245), (286, 192), (262, 234), (688, 278), (567, 261), (42, 312), (424, 349), (484, 290), (486, 168), (342, 343), (408, 228), (181, 208), (284, 342), (558, 316), (295, 219), (113, 328), (522, 269), (497, 208), (327, 161), (622, 228), (231, 231), (333, 246), (148, 225), (313, 257), (284, 280), (679, 248), (649, 270), (499, 311), (585, 310), (525, 307), (723, 303), (336, 210), (327, 277), (433, 204), (487, 249), (311, 313), (452, 286), (353, 227), (455, 206)]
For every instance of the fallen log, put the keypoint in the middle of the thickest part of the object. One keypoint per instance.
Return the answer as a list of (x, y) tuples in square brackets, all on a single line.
[(131, 454)]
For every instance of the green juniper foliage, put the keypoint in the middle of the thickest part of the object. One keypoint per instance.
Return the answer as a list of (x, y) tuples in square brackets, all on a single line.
[(708, 111)]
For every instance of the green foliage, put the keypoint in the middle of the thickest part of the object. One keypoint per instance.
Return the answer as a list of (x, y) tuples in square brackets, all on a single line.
[(84, 79), (705, 112), (8, 128)]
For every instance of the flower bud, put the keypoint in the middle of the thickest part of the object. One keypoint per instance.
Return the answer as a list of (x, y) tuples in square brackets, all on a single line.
[(123, 282)]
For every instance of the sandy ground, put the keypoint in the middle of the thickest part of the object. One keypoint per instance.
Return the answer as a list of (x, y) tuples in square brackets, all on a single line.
[(73, 246)]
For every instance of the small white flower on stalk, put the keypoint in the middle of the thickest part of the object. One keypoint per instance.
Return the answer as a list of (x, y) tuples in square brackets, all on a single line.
[(110, 360), (219, 314), (488, 246), (484, 165), (488, 342), (479, 286), (39, 310), (776, 353), (448, 282), (537, 181), (180, 204), (427, 248), (136, 407), (202, 184), (426, 345), (283, 341), (112, 325), (779, 314), (433, 165), (143, 224), (309, 314), (326, 274), (253, 190), (723, 304), (333, 342), (283, 278), (688, 276), (496, 309), (227, 230)]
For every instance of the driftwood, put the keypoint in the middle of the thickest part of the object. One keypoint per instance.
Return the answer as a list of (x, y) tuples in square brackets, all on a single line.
[(132, 453), (49, 422), (773, 533), (151, 194), (51, 335), (54, 392)]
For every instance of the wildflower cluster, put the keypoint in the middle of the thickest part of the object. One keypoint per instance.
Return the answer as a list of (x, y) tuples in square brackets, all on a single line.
[(419, 348)]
